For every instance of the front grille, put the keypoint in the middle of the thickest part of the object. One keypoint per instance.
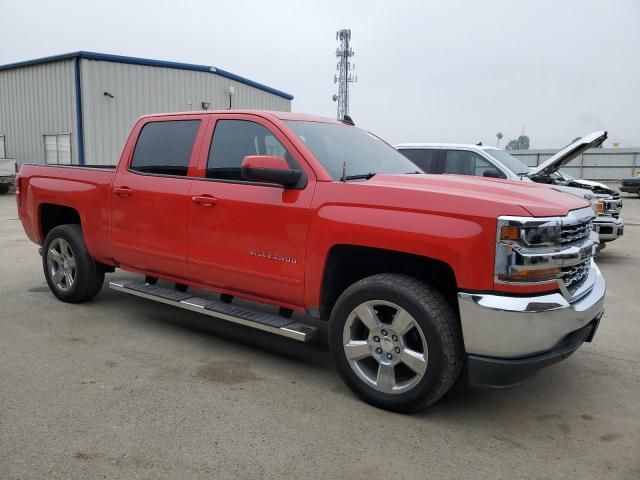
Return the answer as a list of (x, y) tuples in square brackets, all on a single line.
[(575, 276), (575, 232)]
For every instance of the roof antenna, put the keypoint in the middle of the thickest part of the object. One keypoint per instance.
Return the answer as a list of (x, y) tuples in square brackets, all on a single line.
[(348, 120), (344, 171)]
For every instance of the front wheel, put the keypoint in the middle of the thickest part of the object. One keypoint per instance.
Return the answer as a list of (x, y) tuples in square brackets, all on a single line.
[(4, 189), (396, 342), (71, 273)]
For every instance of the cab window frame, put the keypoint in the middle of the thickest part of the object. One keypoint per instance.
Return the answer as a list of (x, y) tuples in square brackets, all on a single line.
[(274, 132), (193, 155)]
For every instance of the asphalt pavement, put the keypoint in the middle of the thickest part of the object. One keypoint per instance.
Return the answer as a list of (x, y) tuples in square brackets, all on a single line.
[(124, 388)]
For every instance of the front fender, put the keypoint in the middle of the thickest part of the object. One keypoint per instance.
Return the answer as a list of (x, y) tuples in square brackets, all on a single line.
[(465, 244)]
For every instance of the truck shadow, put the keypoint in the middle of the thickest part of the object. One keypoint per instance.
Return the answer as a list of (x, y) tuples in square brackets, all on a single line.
[(315, 355)]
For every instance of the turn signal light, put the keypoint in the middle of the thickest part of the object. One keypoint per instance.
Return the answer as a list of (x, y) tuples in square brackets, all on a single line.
[(539, 275), (599, 207), (510, 233)]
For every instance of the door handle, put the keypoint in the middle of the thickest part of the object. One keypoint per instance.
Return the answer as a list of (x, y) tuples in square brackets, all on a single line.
[(204, 200), (122, 191)]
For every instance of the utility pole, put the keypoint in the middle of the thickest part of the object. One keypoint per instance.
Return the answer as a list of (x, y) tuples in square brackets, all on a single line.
[(344, 76)]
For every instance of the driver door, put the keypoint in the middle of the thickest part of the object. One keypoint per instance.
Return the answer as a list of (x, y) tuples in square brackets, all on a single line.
[(250, 237)]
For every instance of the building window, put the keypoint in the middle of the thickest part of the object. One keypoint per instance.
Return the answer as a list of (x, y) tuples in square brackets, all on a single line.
[(3, 151), (57, 149)]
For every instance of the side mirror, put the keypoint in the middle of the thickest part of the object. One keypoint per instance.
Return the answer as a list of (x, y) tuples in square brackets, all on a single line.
[(492, 173), (269, 168), (542, 178)]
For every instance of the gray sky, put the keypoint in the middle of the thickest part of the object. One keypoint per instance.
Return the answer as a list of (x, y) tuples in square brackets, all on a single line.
[(455, 71)]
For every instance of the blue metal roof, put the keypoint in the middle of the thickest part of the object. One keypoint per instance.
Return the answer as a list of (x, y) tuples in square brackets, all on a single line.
[(104, 57)]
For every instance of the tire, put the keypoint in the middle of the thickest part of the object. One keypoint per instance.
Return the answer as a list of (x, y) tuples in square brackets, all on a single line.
[(408, 321), (71, 273), (4, 189)]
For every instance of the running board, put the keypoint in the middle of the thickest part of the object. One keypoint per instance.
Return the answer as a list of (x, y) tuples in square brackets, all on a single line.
[(232, 313)]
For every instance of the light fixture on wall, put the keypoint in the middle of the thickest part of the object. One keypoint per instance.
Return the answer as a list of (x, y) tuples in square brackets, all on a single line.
[(232, 90), (107, 94), (205, 105)]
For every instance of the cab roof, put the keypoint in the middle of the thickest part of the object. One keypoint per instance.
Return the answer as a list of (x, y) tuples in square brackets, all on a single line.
[(262, 113)]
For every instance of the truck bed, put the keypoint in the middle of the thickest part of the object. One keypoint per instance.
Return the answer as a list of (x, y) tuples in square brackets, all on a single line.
[(84, 188)]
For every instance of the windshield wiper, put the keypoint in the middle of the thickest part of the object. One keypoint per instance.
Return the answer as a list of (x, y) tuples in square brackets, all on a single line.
[(362, 176)]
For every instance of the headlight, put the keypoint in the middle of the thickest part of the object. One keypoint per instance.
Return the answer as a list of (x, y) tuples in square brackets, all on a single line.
[(518, 236), (538, 235), (598, 206), (542, 250)]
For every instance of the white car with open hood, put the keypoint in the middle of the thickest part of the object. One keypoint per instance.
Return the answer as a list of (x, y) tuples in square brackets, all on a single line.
[(485, 161)]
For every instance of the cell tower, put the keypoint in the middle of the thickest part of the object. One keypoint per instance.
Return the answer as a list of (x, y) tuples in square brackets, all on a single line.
[(345, 69)]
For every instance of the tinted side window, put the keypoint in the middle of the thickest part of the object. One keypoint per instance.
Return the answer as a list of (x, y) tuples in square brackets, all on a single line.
[(463, 162), (235, 139), (423, 158), (165, 147)]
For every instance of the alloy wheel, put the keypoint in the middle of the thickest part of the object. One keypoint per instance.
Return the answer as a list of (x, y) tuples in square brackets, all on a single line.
[(385, 346), (61, 264)]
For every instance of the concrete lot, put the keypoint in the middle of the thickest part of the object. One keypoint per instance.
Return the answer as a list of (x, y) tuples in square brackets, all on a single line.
[(123, 388)]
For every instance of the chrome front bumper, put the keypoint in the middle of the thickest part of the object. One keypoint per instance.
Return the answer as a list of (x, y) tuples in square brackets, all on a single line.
[(608, 228), (511, 327)]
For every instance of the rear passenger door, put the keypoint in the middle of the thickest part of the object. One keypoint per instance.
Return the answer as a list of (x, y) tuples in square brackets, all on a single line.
[(150, 195), (466, 162), (425, 158)]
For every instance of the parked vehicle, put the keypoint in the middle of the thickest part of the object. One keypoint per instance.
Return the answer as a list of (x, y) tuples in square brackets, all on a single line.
[(491, 162), (561, 177), (421, 278), (7, 174), (631, 185)]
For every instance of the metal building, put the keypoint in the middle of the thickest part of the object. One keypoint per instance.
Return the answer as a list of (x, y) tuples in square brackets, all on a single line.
[(78, 107), (594, 164)]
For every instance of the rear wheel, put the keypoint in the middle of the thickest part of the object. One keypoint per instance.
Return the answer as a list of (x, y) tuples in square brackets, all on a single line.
[(70, 271), (4, 189), (396, 342)]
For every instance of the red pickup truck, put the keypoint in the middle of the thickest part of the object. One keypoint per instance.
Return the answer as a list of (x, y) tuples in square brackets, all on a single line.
[(424, 279)]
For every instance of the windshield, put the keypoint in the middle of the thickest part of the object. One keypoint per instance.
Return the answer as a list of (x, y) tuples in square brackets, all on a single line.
[(509, 161), (361, 152)]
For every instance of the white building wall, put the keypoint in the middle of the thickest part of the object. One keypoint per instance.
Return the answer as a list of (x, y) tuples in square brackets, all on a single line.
[(37, 100), (141, 89)]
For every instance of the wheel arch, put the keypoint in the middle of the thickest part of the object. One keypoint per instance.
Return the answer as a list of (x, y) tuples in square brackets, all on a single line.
[(346, 264), (51, 215)]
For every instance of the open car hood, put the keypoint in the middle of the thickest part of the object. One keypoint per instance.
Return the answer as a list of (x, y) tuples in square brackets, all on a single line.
[(568, 153)]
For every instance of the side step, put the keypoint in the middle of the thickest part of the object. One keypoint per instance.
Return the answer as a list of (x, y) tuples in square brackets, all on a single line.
[(232, 313)]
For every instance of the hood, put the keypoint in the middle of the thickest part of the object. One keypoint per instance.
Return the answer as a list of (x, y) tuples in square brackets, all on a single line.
[(578, 192), (478, 193), (568, 153)]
